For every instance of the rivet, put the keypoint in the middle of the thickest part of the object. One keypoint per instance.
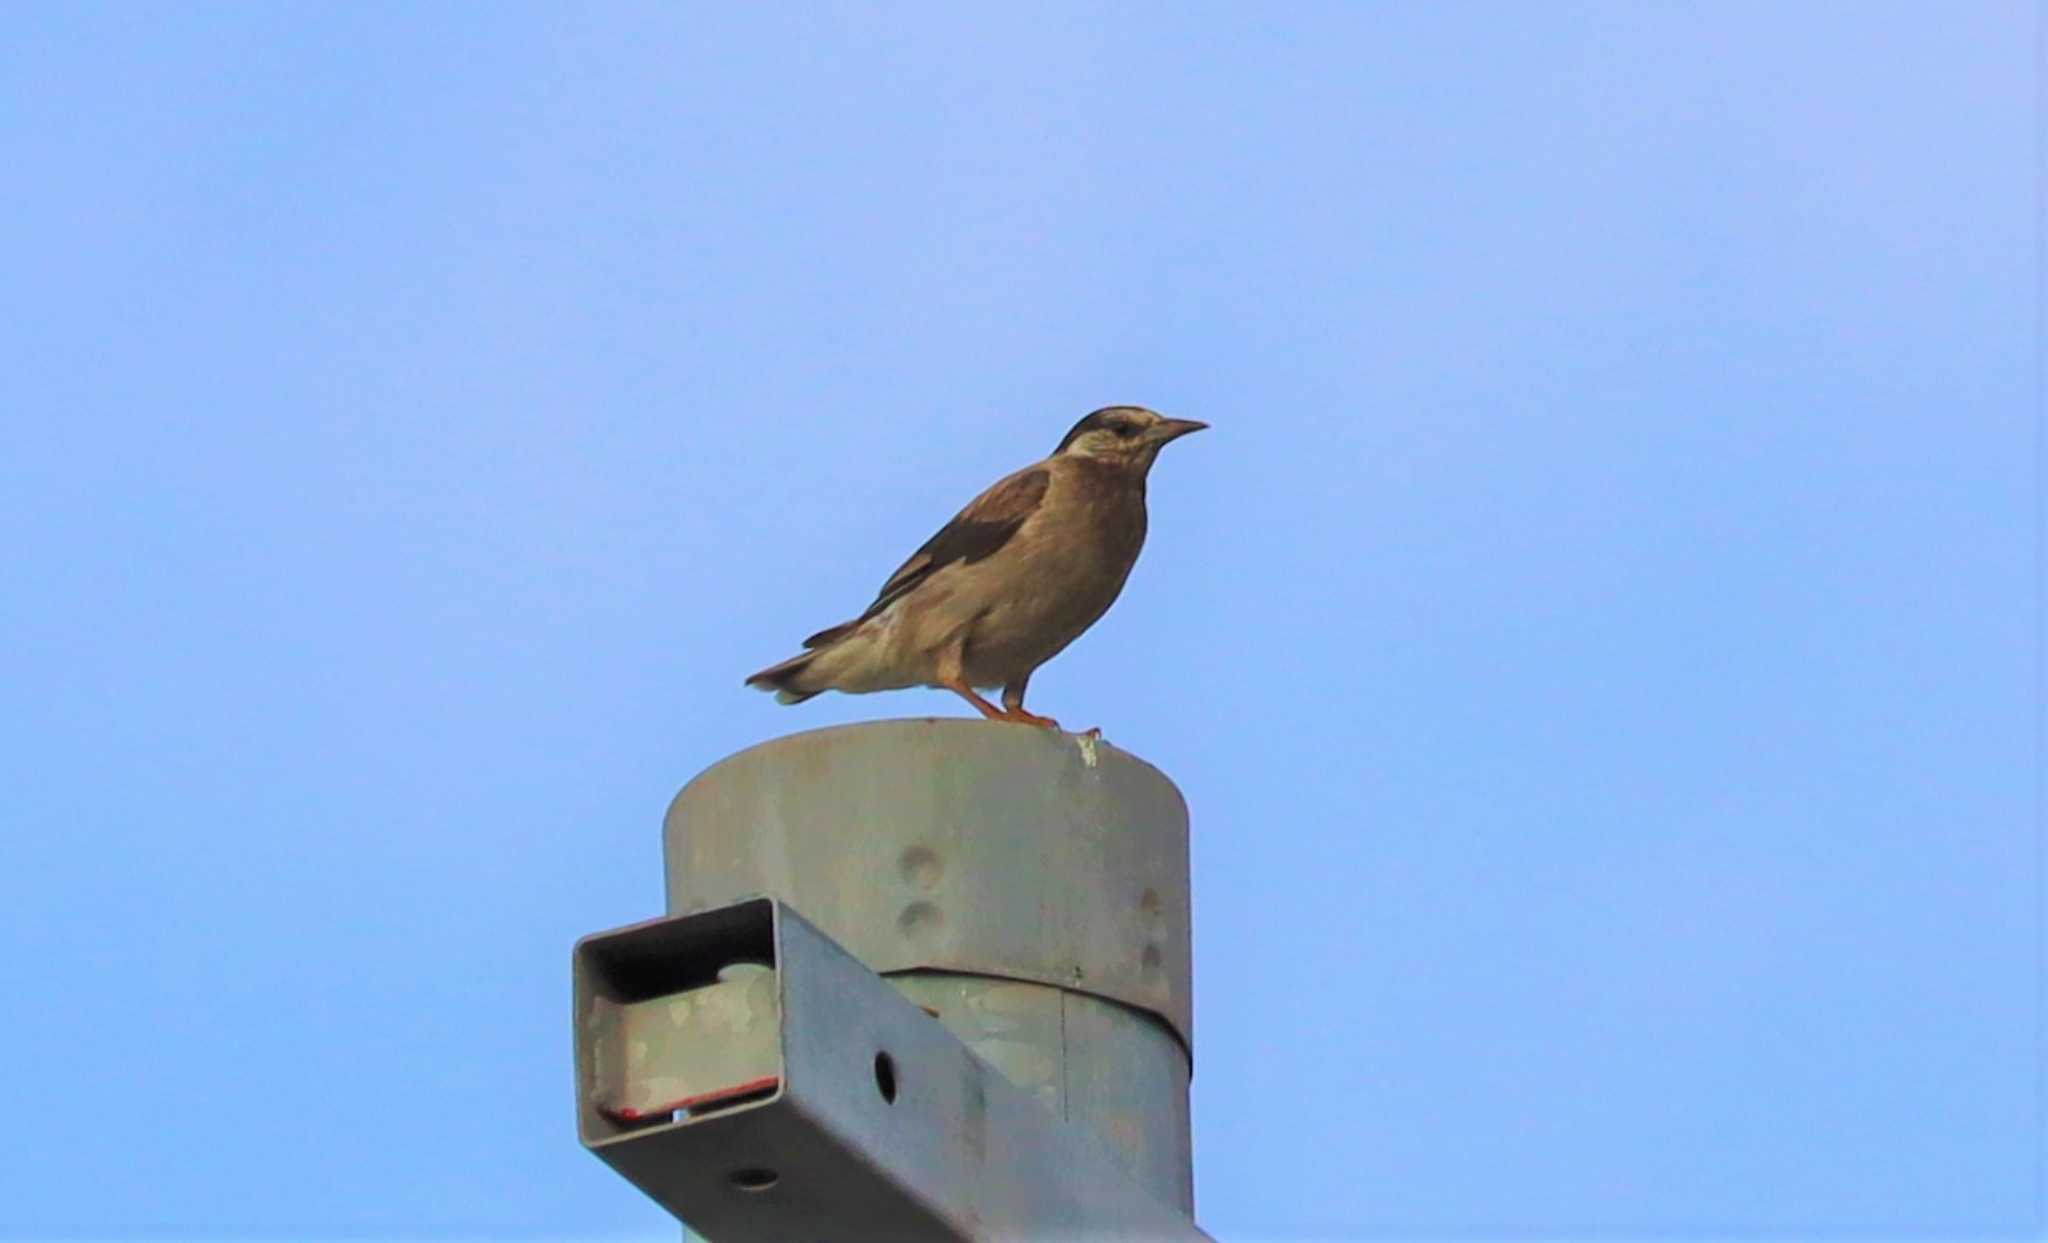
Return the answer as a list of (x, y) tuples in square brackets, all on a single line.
[(921, 867), (920, 919), (1151, 908)]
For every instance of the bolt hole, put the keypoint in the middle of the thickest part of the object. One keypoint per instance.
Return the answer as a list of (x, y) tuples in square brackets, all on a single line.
[(885, 1077), (754, 1178)]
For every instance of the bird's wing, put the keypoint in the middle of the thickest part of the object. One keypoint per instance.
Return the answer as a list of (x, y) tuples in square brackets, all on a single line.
[(975, 532)]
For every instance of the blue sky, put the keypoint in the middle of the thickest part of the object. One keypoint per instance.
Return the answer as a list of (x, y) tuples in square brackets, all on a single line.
[(1598, 639)]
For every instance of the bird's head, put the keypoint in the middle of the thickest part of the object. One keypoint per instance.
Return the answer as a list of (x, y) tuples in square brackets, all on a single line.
[(1128, 437)]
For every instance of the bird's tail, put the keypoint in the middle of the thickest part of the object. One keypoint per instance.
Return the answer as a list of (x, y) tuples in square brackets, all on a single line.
[(786, 680), (795, 679)]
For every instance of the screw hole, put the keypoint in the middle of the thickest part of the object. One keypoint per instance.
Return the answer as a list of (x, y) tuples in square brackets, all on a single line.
[(754, 1178), (885, 1077)]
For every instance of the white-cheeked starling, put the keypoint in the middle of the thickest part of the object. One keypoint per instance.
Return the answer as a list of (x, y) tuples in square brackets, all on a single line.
[(1007, 584)]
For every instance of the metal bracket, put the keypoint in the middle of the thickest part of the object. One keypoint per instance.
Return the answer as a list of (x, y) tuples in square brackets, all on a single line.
[(758, 1082)]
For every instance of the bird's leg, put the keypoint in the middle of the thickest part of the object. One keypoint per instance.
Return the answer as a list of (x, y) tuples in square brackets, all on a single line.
[(981, 705), (1013, 706)]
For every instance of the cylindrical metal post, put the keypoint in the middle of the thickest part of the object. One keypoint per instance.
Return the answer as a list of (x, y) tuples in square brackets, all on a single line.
[(1029, 887)]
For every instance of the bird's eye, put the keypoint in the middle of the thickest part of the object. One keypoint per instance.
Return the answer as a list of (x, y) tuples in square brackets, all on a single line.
[(1124, 428)]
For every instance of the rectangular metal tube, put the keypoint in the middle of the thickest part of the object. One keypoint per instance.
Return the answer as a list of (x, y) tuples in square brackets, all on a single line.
[(874, 1121)]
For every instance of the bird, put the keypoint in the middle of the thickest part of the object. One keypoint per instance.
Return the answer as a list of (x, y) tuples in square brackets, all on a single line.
[(1005, 586)]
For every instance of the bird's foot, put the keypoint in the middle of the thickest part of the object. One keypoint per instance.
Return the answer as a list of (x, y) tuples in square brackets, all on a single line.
[(981, 705), (1023, 717)]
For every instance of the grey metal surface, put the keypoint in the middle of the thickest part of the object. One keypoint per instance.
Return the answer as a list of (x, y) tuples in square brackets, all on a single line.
[(1085, 1059), (688, 1050), (956, 845), (1028, 888), (881, 1124)]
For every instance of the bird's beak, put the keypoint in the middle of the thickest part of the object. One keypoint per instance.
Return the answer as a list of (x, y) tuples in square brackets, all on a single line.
[(1174, 429)]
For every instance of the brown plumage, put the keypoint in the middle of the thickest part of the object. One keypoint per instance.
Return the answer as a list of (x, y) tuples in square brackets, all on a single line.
[(1017, 575)]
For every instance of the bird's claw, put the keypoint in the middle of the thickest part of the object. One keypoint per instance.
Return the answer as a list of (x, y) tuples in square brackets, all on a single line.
[(1022, 717)]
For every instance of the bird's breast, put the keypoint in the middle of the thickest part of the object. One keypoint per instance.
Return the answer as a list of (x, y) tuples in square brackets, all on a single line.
[(1063, 570)]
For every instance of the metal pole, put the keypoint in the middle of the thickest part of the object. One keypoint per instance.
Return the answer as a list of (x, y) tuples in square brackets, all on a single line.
[(1027, 887)]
